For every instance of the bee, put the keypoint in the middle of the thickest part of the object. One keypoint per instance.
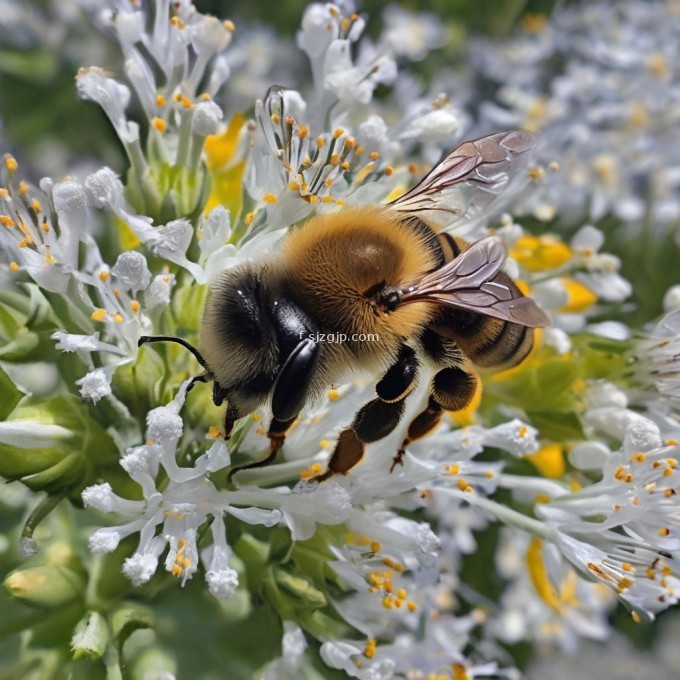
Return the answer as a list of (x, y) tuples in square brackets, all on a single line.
[(385, 270)]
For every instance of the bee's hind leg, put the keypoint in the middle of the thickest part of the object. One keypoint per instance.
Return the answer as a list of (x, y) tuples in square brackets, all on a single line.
[(376, 419), (451, 389)]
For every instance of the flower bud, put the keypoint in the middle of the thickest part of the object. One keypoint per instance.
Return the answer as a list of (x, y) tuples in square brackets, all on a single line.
[(45, 586), (90, 637)]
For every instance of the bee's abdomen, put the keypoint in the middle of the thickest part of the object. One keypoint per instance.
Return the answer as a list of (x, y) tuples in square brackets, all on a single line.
[(489, 342)]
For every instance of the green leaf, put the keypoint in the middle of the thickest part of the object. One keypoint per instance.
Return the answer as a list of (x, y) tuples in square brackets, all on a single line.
[(558, 426), (128, 618), (11, 395)]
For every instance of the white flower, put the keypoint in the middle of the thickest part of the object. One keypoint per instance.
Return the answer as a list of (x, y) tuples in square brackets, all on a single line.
[(95, 385)]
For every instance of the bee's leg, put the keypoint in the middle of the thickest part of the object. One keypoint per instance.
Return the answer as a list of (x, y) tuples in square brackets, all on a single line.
[(203, 378), (376, 419), (288, 398), (277, 436), (452, 389), (373, 421)]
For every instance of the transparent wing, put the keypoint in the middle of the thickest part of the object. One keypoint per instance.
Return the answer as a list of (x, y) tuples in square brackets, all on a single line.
[(467, 282), (470, 180)]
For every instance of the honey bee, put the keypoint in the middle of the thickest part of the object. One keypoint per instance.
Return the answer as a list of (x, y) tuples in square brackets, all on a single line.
[(386, 270)]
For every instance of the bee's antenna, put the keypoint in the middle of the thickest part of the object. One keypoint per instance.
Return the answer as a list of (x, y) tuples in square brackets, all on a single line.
[(169, 338)]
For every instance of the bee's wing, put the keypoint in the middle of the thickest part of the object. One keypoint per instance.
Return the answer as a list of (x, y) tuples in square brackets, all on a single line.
[(466, 182), (467, 283)]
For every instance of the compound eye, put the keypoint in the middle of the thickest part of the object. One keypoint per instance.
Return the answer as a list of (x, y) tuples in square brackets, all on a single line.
[(389, 300)]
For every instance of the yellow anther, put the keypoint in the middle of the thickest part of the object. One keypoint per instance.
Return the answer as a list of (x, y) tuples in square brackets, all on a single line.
[(635, 616), (638, 458), (303, 131), (186, 562), (628, 567), (335, 159), (387, 602), (338, 132), (177, 22), (45, 227), (11, 163), (118, 318), (134, 306), (49, 259), (23, 188), (375, 546), (4, 193), (270, 198), (369, 650), (345, 165), (453, 469), (14, 266), (389, 170), (104, 275), (536, 172), (160, 100), (293, 186), (276, 119), (320, 141), (159, 125), (462, 484), (23, 243), (412, 606), (250, 217), (401, 594), (489, 474), (7, 221), (374, 155), (333, 395), (98, 315), (229, 25), (35, 205), (176, 570), (664, 531)]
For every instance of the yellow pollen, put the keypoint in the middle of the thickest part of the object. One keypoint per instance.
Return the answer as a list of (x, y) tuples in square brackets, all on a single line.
[(6, 221), (375, 546), (374, 155), (333, 395), (270, 198), (159, 125), (104, 275), (176, 570), (462, 484), (117, 317), (98, 315), (49, 259), (45, 227), (23, 188), (664, 531), (454, 469), (250, 217), (160, 100), (23, 243), (213, 432), (186, 102), (338, 132), (369, 651), (628, 567), (134, 306), (229, 25), (11, 163), (293, 186), (335, 159), (489, 474), (536, 172), (625, 583), (401, 594), (389, 170), (35, 205), (671, 442), (276, 119), (387, 602), (3, 192), (651, 574), (638, 458), (666, 570), (320, 141), (303, 131), (635, 616), (671, 462), (411, 605), (345, 165), (176, 21), (116, 292), (14, 266)]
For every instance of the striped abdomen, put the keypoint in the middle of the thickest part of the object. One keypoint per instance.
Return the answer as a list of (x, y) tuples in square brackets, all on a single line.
[(489, 342)]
